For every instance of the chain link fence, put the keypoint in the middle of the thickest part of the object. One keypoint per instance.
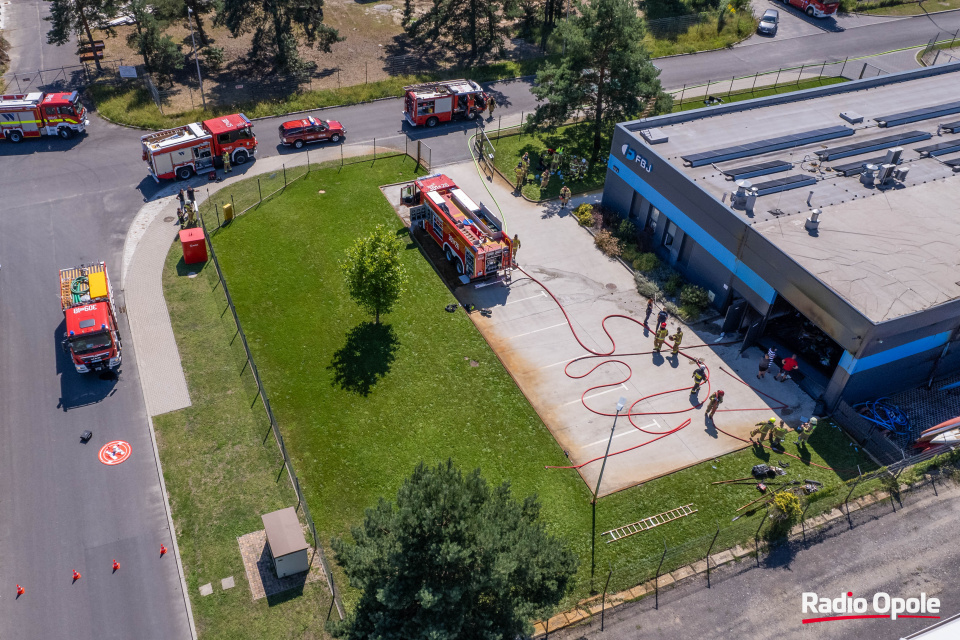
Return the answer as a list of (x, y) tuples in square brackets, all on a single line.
[(939, 50)]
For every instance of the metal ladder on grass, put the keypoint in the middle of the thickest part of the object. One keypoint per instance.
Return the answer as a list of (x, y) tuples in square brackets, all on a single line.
[(649, 523)]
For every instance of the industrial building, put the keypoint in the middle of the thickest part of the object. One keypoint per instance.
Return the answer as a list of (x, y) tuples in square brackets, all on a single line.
[(825, 221)]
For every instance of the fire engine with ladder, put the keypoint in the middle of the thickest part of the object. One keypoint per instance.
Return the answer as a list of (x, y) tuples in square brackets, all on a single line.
[(31, 115), (196, 147), (92, 337), (431, 103), (470, 235)]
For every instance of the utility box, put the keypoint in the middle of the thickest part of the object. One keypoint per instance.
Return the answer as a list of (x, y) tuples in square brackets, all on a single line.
[(194, 245), (227, 212), (286, 543)]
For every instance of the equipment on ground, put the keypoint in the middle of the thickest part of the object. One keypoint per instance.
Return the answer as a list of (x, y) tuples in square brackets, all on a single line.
[(431, 103), (31, 115), (199, 146), (649, 523), (85, 436), (92, 336), (470, 235), (942, 428)]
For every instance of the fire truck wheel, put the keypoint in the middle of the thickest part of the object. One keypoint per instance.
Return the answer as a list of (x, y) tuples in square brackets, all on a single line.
[(471, 115), (449, 255), (183, 173), (14, 136), (810, 11), (240, 157), (65, 133), (298, 144), (432, 121), (335, 138), (459, 267)]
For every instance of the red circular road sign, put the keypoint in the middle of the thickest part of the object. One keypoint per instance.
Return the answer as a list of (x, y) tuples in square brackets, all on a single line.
[(115, 452)]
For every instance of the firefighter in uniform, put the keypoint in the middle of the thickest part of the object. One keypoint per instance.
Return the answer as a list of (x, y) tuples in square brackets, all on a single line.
[(491, 105), (763, 428), (526, 160), (805, 431), (226, 162), (564, 196), (716, 399), (677, 339), (521, 173), (660, 337), (699, 375), (516, 246), (544, 180), (779, 433)]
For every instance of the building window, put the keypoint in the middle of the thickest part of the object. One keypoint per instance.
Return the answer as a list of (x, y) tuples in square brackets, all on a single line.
[(652, 219), (669, 234)]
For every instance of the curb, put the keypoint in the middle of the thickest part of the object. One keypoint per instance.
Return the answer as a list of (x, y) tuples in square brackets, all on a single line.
[(891, 15), (586, 609)]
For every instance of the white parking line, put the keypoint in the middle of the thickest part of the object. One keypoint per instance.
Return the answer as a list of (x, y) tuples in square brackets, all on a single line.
[(625, 433), (539, 295), (554, 326), (575, 357), (622, 386)]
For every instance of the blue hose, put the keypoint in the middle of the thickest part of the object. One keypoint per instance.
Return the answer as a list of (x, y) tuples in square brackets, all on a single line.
[(884, 413)]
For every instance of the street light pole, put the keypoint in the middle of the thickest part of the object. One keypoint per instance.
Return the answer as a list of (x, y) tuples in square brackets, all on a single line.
[(593, 537), (195, 58)]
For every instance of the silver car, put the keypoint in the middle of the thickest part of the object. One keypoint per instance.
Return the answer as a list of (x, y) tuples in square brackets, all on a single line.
[(769, 22)]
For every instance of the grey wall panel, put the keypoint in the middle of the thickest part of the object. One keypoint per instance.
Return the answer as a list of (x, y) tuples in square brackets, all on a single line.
[(617, 194), (896, 376)]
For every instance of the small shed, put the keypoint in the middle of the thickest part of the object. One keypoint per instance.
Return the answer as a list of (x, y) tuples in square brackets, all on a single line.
[(286, 543)]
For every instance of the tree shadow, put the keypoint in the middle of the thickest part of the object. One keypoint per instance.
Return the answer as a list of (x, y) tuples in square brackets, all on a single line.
[(366, 357)]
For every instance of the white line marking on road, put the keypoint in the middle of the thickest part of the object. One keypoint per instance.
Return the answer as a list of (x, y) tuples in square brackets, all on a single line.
[(539, 295), (617, 388), (625, 433), (561, 362), (554, 326)]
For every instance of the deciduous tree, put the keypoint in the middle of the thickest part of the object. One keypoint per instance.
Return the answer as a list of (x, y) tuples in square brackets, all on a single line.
[(375, 273), (606, 71), (74, 16), (278, 26), (161, 55), (471, 27), (452, 559)]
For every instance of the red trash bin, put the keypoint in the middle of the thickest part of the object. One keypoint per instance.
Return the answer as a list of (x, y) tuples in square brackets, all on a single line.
[(194, 246)]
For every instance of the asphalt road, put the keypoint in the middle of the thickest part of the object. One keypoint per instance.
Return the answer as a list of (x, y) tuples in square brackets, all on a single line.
[(67, 202), (902, 554)]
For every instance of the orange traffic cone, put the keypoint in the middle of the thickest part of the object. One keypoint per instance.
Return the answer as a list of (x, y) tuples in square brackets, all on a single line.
[(20, 591), (163, 549), (116, 565), (76, 576)]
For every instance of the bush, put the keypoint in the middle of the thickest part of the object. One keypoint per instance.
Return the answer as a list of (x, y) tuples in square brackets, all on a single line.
[(689, 313), (646, 287), (673, 283), (607, 243), (672, 309), (786, 509), (646, 263), (584, 215), (212, 58), (694, 296), (626, 231), (629, 252)]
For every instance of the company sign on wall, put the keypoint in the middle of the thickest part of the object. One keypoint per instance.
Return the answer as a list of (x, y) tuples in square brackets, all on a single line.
[(630, 155)]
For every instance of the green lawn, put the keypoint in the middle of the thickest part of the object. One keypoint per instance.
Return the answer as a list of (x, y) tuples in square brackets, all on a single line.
[(703, 37), (219, 476), (360, 404), (737, 96)]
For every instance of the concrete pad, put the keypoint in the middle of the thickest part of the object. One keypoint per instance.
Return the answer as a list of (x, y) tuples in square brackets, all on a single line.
[(682, 572), (722, 558), (206, 589), (227, 583), (574, 390)]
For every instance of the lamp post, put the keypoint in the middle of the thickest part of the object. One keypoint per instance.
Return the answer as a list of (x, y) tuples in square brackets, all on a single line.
[(195, 58), (593, 538)]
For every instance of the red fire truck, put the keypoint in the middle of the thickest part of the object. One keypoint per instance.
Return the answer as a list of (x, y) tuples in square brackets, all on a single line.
[(815, 8), (198, 146), (92, 337), (434, 102), (31, 115), (470, 235)]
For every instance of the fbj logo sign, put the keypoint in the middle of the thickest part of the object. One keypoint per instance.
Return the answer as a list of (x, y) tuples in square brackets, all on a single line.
[(630, 155)]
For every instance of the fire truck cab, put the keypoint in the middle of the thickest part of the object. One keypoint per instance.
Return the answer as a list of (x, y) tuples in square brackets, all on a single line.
[(31, 115), (471, 236), (434, 102), (198, 146)]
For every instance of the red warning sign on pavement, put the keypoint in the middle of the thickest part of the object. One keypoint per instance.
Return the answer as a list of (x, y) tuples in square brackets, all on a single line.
[(115, 452)]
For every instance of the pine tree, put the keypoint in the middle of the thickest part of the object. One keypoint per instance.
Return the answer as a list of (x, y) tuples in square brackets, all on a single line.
[(277, 27), (471, 27), (606, 71), (74, 16), (161, 55), (452, 559)]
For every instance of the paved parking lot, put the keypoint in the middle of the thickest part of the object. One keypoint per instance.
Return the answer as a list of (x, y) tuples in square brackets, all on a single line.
[(796, 24), (530, 334)]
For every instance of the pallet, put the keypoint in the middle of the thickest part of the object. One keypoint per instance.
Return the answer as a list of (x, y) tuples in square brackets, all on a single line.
[(649, 523)]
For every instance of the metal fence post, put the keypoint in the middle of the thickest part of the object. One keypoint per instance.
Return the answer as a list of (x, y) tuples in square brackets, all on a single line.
[(822, 67), (730, 90), (308, 160), (216, 210), (374, 149), (754, 87), (800, 75), (603, 599), (656, 580), (775, 82), (756, 537), (284, 174), (233, 203), (682, 91), (259, 190), (712, 542), (499, 126), (706, 92), (803, 525), (854, 488)]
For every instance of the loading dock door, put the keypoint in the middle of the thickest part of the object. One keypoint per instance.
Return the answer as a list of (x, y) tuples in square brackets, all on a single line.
[(734, 318)]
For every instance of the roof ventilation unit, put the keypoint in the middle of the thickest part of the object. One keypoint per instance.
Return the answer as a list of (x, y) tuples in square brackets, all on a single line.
[(885, 173), (745, 196), (654, 135), (813, 222), (893, 155), (869, 174)]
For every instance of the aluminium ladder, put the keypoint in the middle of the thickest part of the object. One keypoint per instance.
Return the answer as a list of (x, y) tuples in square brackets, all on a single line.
[(649, 523)]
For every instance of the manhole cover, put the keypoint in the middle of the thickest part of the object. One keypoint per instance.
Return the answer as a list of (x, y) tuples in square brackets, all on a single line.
[(169, 219), (192, 274), (611, 286)]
